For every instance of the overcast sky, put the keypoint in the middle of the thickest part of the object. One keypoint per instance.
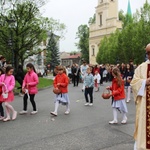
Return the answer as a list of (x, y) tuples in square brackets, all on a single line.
[(73, 13)]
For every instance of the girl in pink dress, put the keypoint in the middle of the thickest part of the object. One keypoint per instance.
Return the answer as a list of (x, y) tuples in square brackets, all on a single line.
[(1, 102), (7, 81)]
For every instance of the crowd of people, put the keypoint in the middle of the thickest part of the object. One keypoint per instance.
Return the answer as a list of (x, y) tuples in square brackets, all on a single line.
[(92, 77), (121, 77)]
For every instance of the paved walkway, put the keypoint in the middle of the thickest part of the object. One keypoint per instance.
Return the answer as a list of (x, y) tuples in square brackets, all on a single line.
[(85, 128)]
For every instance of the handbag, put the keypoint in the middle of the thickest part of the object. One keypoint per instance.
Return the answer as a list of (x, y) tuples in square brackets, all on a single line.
[(56, 91), (4, 95), (106, 94)]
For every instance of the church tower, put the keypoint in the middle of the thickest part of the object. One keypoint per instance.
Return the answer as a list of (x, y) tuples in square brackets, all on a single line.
[(129, 9), (106, 23)]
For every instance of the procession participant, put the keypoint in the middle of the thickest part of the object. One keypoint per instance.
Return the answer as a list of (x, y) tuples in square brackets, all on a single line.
[(118, 95), (61, 82), (29, 87), (141, 91), (7, 81), (83, 69)]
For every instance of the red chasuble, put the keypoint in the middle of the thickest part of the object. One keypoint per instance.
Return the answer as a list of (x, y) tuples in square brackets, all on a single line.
[(148, 111)]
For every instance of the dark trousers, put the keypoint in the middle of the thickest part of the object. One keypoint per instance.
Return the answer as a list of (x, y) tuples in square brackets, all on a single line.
[(25, 101), (76, 80), (90, 92), (1, 110)]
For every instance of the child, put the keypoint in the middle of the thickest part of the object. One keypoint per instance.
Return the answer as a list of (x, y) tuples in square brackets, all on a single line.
[(61, 82), (89, 85), (118, 95), (1, 106), (29, 87), (7, 81), (97, 79)]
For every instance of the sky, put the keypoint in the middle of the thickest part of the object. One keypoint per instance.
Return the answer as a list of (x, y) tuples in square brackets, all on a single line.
[(74, 13)]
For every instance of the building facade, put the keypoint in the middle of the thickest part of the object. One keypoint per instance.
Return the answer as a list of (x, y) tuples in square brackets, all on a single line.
[(67, 59), (38, 60), (106, 22)]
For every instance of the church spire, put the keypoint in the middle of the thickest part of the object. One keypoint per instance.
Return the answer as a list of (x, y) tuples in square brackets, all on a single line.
[(129, 8)]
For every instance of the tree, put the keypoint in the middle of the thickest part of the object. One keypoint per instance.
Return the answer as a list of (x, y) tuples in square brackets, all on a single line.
[(130, 42), (83, 44), (25, 33), (92, 19), (53, 51), (28, 31)]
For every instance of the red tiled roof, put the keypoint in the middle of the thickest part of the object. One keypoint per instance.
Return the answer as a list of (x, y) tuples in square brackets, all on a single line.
[(73, 56)]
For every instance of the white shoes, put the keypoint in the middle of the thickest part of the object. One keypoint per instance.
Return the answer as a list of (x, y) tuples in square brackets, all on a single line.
[(67, 112), (14, 116), (86, 104), (34, 112), (128, 100), (113, 122), (23, 112), (1, 118), (53, 113), (124, 121)]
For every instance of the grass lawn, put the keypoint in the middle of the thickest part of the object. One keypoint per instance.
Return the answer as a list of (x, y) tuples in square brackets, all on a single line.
[(43, 82)]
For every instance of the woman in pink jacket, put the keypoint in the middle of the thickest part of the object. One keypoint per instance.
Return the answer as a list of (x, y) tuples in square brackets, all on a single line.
[(7, 81), (29, 87)]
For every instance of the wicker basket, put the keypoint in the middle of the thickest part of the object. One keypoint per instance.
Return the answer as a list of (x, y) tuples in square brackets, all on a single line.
[(106, 94)]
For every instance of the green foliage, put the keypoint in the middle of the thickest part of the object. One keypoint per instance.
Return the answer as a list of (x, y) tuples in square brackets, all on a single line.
[(83, 44), (24, 25), (92, 19), (53, 51), (73, 53), (130, 42)]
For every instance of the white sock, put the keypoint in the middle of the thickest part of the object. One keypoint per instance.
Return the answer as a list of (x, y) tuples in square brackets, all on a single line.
[(128, 92), (68, 108), (135, 146), (56, 106), (83, 87), (124, 116), (115, 114)]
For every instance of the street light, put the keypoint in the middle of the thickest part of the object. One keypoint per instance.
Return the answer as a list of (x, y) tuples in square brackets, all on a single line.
[(11, 22)]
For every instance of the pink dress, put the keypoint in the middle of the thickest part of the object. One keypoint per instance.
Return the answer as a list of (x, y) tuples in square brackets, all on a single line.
[(10, 84)]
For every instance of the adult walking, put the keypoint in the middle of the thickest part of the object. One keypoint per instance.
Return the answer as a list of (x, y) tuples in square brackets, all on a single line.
[(19, 76), (128, 77), (77, 75), (141, 92), (83, 69)]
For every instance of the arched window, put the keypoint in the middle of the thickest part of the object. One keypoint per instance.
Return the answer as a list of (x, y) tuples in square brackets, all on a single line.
[(100, 20), (93, 51)]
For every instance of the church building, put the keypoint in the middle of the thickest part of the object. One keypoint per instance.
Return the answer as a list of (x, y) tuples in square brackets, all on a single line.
[(106, 22)]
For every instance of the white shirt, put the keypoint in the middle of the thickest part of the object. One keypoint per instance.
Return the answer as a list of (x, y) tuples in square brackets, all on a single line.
[(98, 77)]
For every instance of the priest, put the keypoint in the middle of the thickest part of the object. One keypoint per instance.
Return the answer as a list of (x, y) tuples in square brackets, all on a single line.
[(141, 91)]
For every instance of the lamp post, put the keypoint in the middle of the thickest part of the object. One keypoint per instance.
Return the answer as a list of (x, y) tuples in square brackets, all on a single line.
[(11, 22)]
